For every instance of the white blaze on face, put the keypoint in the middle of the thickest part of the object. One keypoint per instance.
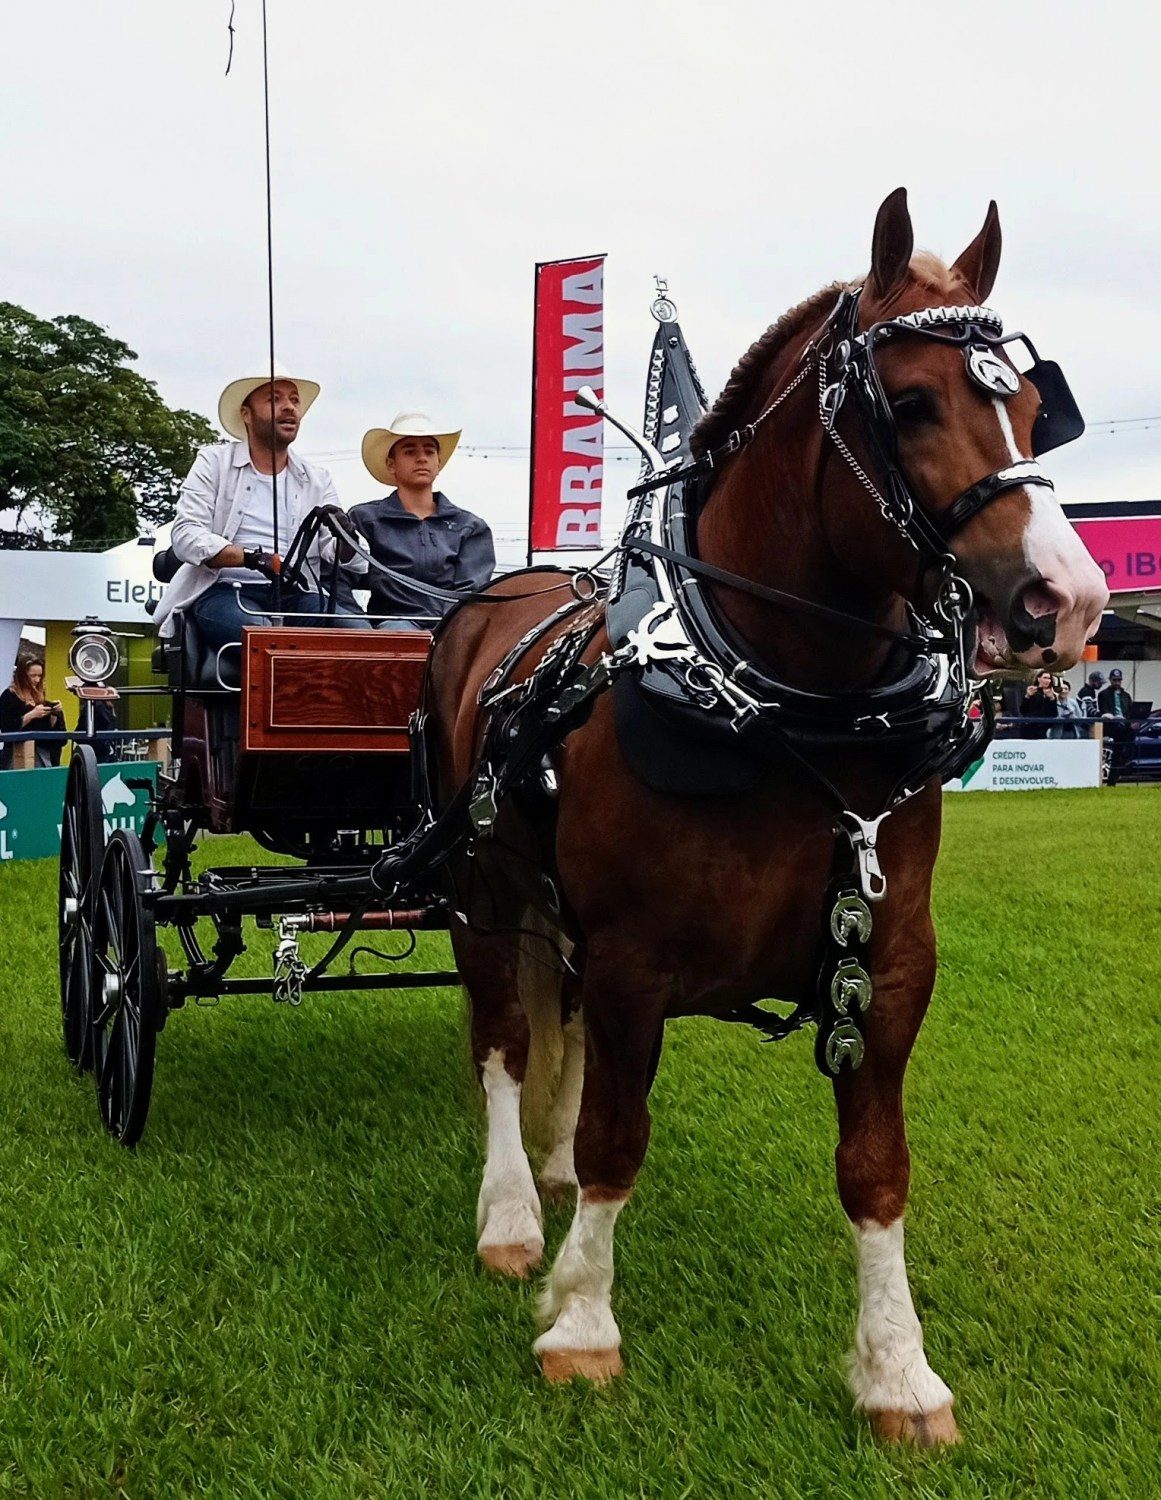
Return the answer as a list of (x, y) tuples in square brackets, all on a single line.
[(1074, 586)]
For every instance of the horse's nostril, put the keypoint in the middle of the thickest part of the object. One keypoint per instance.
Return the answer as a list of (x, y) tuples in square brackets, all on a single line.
[(1039, 599), (1049, 658)]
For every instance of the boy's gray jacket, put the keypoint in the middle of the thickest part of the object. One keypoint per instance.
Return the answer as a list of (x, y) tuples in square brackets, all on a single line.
[(209, 513)]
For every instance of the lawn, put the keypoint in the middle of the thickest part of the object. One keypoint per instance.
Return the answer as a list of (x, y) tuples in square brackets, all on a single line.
[(276, 1295)]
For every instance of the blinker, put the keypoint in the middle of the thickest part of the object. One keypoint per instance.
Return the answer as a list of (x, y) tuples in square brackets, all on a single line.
[(1059, 420)]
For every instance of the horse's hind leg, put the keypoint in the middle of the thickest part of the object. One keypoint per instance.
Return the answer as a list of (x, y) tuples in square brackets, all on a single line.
[(558, 1173), (891, 1379), (508, 1219)]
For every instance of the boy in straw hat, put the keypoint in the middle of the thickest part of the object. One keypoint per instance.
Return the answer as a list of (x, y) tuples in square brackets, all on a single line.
[(224, 531), (416, 529)]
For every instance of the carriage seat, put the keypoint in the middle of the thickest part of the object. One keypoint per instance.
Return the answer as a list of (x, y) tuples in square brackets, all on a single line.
[(187, 644)]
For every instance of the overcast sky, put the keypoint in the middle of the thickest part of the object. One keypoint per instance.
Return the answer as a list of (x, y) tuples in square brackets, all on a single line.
[(425, 156)]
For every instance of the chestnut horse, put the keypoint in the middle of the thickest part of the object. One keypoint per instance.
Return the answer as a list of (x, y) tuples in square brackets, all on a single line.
[(667, 906)]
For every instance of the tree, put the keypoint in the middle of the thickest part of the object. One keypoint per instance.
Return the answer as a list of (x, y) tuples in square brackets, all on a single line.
[(88, 449)]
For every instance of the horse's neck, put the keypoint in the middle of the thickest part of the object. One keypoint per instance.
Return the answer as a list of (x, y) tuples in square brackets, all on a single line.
[(763, 521)]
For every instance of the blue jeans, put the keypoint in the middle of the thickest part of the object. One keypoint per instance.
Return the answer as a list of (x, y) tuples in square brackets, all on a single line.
[(220, 615)]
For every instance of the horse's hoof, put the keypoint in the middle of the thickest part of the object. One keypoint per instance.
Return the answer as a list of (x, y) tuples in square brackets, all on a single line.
[(511, 1260), (934, 1429), (600, 1365)]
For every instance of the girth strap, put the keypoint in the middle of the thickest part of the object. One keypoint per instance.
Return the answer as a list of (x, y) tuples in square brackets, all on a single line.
[(973, 500)]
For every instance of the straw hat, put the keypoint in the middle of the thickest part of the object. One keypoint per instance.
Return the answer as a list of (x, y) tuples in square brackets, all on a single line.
[(230, 401), (377, 443)]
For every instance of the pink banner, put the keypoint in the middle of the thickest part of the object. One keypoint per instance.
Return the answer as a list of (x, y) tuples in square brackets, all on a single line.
[(1128, 550)]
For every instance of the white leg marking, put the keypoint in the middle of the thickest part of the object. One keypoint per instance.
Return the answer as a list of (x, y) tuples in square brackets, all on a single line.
[(558, 1174), (888, 1370), (576, 1299), (508, 1211)]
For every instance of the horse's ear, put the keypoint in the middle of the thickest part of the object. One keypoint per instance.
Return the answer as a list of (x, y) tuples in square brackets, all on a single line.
[(892, 244), (981, 260)]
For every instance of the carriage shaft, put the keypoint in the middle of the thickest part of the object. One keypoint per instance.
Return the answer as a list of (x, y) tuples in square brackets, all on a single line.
[(408, 979)]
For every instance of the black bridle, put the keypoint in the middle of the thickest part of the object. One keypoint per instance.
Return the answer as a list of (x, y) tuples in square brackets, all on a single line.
[(848, 376), (977, 331)]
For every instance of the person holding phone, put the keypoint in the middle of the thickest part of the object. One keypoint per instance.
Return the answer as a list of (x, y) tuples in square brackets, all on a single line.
[(1041, 701), (23, 707)]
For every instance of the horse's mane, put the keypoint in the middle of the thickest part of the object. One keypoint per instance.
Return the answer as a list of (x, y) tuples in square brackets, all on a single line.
[(728, 410)]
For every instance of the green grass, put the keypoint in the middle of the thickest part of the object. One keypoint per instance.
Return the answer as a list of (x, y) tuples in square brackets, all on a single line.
[(277, 1294)]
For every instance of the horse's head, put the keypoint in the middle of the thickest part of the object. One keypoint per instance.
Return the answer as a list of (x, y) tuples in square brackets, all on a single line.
[(963, 415)]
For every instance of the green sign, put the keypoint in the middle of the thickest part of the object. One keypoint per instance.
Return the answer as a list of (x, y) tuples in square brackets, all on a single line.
[(31, 803)]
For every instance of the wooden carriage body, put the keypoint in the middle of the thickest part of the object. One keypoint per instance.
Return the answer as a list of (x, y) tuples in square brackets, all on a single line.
[(312, 743)]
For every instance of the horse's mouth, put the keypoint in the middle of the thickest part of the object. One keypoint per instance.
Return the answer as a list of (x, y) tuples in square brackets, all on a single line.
[(993, 648)]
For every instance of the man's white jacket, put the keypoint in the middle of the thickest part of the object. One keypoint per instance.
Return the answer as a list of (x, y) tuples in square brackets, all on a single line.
[(209, 512)]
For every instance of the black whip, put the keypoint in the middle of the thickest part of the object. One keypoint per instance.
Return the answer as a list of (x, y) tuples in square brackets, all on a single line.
[(277, 581)]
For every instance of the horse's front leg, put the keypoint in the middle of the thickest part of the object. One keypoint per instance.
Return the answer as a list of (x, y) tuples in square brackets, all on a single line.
[(510, 1239), (889, 1374), (622, 1044)]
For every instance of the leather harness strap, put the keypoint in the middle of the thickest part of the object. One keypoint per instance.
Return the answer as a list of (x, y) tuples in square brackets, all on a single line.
[(980, 495)]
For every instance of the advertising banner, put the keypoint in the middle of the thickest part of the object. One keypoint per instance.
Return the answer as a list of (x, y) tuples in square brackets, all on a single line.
[(116, 586), (1032, 765), (31, 803), (1128, 549), (568, 450)]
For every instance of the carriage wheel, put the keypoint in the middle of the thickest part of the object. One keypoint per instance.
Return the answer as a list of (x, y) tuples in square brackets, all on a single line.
[(82, 843), (127, 993)]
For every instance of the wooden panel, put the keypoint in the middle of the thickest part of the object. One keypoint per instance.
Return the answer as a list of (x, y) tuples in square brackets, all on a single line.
[(350, 690)]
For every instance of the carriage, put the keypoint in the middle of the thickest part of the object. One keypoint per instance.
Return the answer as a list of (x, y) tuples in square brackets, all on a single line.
[(300, 740)]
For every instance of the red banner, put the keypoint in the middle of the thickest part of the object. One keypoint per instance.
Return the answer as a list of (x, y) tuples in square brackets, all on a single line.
[(568, 448), (1128, 548)]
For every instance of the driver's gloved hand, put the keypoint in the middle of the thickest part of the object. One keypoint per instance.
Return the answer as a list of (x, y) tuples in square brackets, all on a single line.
[(346, 550), (269, 564)]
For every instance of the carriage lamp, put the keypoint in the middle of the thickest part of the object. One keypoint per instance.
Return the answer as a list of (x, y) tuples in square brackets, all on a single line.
[(93, 655)]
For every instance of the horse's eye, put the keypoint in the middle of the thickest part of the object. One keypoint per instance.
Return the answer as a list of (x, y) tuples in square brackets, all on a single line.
[(911, 408)]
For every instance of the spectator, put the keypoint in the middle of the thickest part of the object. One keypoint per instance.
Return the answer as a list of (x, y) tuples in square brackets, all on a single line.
[(1113, 705), (1069, 710), (1040, 702), (24, 706), (1086, 699), (1113, 702)]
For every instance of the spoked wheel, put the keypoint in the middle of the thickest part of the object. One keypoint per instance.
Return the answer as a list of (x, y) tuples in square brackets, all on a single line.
[(126, 988), (82, 843)]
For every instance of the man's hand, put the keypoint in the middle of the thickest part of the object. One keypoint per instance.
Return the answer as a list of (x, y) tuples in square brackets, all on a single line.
[(346, 550), (269, 564)]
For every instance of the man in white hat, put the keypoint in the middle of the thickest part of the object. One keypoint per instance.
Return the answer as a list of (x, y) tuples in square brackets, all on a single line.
[(416, 529), (229, 529)]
